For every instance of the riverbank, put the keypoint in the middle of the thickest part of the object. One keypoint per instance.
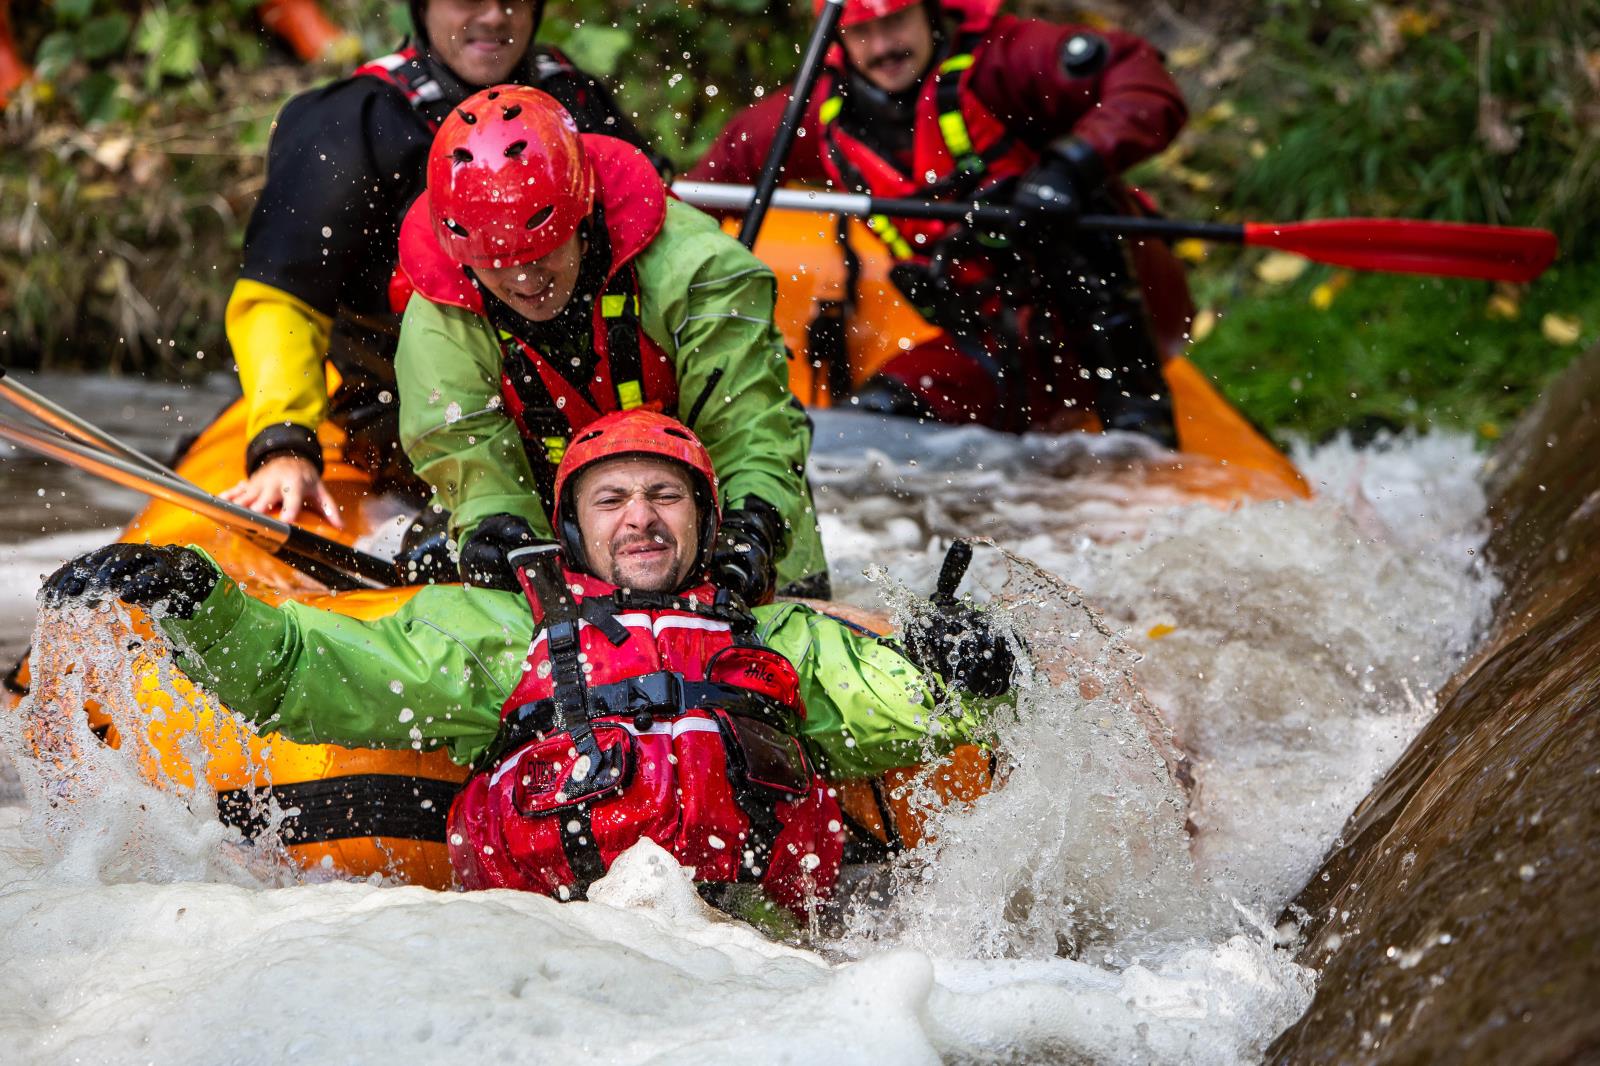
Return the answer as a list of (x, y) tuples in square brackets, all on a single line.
[(136, 172)]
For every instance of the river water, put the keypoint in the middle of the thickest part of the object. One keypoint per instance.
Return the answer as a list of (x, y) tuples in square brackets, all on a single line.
[(1092, 909)]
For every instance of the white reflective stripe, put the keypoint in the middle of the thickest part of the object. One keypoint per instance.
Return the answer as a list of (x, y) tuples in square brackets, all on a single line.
[(710, 625), (509, 765), (641, 620), (675, 728)]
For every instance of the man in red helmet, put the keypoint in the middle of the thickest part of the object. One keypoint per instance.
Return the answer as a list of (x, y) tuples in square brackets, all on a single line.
[(345, 162), (620, 697), (556, 281), (953, 101)]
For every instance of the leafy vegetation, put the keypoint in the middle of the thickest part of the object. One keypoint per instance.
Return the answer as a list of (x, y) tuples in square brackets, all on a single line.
[(128, 168)]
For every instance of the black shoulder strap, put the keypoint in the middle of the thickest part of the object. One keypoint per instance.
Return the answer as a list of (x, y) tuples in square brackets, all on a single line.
[(619, 310), (727, 607)]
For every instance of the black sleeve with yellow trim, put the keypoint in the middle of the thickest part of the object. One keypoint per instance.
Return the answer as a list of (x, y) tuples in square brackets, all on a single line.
[(344, 164)]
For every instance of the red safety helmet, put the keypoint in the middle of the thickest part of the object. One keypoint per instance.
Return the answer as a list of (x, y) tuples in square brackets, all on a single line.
[(858, 11), (636, 432), (508, 179), (971, 14)]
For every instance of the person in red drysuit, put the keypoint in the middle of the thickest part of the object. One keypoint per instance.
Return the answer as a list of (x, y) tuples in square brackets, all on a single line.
[(955, 101)]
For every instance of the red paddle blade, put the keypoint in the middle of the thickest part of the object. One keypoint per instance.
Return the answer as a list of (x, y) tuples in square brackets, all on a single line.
[(1409, 246)]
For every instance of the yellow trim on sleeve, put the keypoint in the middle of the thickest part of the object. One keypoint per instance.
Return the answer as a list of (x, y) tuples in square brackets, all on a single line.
[(279, 343)]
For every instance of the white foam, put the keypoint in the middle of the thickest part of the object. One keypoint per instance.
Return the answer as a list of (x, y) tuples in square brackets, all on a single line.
[(1320, 631)]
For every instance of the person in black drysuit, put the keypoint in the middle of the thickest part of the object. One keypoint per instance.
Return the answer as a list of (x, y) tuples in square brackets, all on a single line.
[(319, 280)]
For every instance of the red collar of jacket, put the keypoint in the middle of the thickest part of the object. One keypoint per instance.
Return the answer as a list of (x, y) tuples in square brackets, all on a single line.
[(632, 193)]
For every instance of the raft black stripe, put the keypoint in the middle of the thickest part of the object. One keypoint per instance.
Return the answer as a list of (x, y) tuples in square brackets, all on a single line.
[(342, 808)]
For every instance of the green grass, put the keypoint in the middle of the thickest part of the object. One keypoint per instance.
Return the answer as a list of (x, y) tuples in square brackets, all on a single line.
[(1403, 351)]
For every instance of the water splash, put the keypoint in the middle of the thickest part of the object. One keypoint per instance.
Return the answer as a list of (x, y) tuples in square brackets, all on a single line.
[(104, 814), (1082, 850)]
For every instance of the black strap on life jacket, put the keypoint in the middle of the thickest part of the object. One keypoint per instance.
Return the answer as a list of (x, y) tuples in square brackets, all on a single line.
[(569, 703), (648, 698), (726, 607), (549, 427)]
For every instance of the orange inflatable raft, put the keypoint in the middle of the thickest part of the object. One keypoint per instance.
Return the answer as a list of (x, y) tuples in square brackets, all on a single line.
[(363, 812)]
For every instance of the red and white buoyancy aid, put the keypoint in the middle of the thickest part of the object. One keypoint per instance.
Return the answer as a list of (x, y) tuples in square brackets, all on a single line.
[(685, 740), (958, 147)]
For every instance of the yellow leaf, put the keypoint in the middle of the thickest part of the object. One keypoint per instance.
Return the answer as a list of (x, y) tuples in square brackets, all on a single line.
[(1258, 149), (1323, 295), (1504, 306), (1414, 23), (1204, 322), (1280, 268), (1190, 55), (1488, 431), (1191, 250), (1560, 329), (1160, 630), (1220, 112)]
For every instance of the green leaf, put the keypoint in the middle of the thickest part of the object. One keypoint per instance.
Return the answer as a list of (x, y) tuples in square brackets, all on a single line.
[(55, 54), (96, 98), (73, 11), (597, 49), (104, 36)]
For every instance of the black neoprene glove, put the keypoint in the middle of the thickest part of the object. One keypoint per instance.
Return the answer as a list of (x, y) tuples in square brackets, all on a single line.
[(483, 556), (143, 575), (749, 542), (1067, 172), (958, 643)]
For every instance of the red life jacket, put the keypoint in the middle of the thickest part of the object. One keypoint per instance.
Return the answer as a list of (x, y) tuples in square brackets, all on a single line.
[(632, 371), (683, 740), (958, 146)]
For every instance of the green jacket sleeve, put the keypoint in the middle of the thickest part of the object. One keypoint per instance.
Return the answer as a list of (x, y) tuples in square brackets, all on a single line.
[(868, 708), (453, 422), (709, 303), (435, 673)]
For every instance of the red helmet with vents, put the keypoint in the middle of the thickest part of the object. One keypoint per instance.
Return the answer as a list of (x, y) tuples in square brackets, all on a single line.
[(636, 432), (508, 180)]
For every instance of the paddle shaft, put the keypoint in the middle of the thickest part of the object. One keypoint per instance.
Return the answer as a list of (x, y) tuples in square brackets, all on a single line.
[(1405, 246), (51, 413), (336, 565), (799, 98)]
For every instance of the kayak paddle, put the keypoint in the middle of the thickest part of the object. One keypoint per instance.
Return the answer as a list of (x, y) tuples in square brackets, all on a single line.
[(1393, 245), (793, 112), (338, 566)]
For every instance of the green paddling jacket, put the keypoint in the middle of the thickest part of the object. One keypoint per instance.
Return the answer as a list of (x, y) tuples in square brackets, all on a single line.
[(437, 672), (484, 417)]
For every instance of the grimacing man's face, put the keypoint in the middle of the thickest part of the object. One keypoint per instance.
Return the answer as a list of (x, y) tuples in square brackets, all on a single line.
[(639, 522)]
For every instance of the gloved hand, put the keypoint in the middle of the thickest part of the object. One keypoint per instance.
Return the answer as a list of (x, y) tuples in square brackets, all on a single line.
[(958, 643), (745, 558), (1062, 180), (143, 575), (483, 556)]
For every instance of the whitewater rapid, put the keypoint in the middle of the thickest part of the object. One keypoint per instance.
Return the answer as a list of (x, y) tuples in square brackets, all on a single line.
[(1293, 648)]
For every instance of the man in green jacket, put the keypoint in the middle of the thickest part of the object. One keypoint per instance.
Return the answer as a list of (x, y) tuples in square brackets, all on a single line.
[(555, 281), (471, 670)]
